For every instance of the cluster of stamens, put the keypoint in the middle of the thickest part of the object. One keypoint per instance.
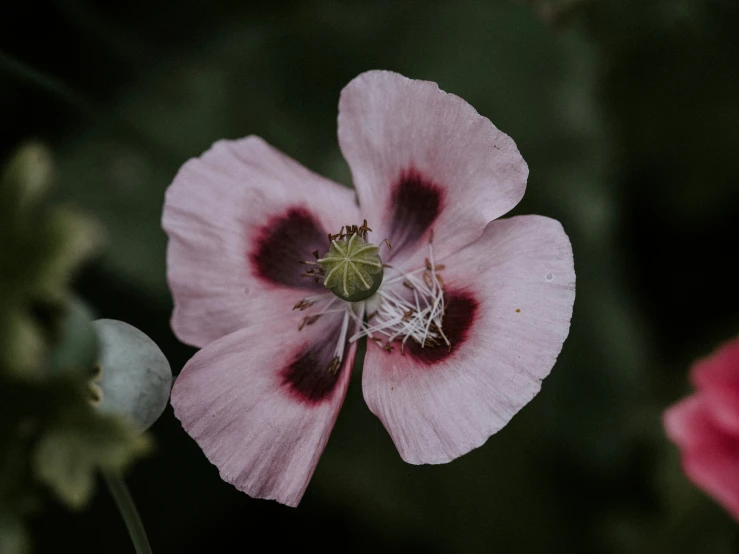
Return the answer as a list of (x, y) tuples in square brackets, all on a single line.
[(415, 312), (317, 273), (416, 315)]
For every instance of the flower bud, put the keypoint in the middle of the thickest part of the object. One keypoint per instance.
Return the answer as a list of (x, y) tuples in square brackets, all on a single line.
[(135, 375)]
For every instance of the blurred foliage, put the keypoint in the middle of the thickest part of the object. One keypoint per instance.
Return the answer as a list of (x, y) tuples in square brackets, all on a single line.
[(50, 434), (625, 110)]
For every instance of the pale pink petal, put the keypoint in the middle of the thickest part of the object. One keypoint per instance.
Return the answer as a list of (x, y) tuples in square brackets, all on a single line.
[(717, 377), (261, 403), (421, 159), (509, 302), (710, 454), (239, 219)]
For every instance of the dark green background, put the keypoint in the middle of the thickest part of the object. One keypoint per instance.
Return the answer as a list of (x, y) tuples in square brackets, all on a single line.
[(627, 112)]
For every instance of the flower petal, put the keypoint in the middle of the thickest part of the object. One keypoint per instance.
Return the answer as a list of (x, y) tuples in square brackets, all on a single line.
[(261, 403), (710, 454), (239, 219), (509, 302), (717, 377), (421, 157)]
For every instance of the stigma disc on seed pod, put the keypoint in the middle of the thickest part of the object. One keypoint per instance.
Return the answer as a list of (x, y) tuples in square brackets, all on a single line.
[(352, 268)]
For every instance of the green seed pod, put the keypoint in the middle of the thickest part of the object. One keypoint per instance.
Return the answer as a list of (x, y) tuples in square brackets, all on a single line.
[(135, 377), (352, 268)]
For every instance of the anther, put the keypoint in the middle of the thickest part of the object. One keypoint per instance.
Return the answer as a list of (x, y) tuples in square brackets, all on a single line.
[(364, 229), (333, 367), (303, 304), (308, 320), (435, 267)]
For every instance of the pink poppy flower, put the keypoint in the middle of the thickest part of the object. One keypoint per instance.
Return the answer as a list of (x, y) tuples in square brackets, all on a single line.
[(705, 426), (469, 317)]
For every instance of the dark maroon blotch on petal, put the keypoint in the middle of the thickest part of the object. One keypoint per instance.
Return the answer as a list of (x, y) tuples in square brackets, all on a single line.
[(416, 202), (309, 378), (461, 310), (283, 243)]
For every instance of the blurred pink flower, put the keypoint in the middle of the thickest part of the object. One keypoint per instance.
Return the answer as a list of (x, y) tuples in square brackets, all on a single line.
[(705, 426), (450, 361)]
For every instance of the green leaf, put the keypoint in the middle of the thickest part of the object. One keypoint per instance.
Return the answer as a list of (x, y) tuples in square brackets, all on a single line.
[(70, 452), (78, 348), (13, 539)]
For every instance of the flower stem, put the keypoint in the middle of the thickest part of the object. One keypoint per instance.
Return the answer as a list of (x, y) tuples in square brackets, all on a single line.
[(124, 501)]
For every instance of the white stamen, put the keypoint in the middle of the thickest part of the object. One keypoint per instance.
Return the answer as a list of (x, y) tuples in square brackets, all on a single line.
[(342, 336), (345, 308), (319, 297), (433, 266), (399, 318)]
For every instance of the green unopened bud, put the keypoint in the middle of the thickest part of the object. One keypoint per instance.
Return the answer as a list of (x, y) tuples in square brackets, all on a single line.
[(352, 268), (135, 376)]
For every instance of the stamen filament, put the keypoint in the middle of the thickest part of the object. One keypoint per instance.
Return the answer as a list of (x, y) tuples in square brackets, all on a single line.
[(342, 336), (400, 317)]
